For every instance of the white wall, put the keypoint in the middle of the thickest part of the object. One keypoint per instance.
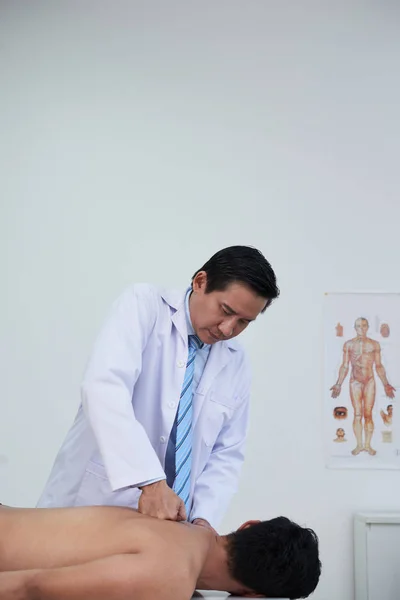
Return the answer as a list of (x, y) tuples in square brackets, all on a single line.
[(137, 138)]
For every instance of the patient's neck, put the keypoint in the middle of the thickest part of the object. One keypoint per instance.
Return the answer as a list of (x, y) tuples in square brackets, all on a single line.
[(215, 574)]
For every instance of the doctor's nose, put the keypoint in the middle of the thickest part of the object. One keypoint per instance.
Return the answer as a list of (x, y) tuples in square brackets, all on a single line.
[(227, 328)]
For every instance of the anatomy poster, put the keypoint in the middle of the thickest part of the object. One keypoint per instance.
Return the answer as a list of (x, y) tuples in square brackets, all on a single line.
[(362, 380)]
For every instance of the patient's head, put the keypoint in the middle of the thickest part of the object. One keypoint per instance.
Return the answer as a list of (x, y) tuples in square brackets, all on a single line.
[(275, 558)]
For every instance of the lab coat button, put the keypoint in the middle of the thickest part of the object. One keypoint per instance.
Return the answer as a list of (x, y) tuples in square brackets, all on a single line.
[(181, 363), (171, 404), (163, 439)]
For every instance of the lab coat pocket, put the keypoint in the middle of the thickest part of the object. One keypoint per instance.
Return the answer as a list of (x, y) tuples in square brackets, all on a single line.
[(230, 401)]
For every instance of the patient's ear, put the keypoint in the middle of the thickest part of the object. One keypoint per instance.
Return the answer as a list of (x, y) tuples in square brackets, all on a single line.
[(249, 524)]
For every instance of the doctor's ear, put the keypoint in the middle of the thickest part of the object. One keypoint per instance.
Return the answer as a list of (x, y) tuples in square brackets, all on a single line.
[(249, 524), (199, 283)]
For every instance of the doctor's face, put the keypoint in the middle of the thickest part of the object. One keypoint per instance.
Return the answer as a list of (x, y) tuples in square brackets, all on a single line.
[(222, 315)]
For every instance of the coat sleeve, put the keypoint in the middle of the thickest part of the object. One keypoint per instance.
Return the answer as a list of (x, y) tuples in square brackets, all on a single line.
[(218, 482), (113, 369)]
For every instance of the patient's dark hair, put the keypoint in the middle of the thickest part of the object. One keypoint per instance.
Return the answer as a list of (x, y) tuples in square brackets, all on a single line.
[(275, 558)]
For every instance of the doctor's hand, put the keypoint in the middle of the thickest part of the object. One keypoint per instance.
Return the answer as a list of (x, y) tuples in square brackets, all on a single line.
[(158, 500)]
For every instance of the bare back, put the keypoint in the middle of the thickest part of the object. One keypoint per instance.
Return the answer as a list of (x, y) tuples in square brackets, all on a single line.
[(58, 537)]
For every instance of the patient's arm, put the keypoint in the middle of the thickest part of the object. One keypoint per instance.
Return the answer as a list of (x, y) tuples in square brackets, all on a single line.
[(119, 577)]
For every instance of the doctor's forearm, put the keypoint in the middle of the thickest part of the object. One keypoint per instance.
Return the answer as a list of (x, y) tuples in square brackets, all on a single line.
[(126, 450), (108, 388)]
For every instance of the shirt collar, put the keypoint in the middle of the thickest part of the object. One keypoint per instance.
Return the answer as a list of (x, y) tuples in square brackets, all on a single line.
[(189, 324), (187, 311)]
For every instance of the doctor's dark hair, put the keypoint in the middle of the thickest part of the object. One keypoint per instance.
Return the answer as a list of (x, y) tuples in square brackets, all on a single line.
[(241, 264), (275, 558)]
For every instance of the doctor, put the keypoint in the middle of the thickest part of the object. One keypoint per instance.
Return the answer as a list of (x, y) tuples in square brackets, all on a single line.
[(165, 397)]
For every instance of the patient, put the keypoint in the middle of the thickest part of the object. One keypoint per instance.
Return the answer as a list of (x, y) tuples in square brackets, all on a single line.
[(112, 553)]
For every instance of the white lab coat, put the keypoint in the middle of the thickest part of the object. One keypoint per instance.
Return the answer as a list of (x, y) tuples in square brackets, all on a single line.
[(130, 395)]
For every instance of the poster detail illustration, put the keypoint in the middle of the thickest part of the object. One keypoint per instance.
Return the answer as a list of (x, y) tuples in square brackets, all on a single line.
[(362, 380)]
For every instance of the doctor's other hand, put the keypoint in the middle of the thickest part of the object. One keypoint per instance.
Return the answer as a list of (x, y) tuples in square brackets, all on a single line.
[(159, 501)]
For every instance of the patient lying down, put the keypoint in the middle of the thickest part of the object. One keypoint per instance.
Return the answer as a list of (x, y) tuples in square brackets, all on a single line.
[(112, 553)]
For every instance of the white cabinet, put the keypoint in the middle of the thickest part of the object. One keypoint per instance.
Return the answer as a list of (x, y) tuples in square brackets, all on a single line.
[(377, 556)]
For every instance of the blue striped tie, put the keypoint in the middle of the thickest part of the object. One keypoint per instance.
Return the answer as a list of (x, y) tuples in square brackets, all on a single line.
[(183, 448)]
